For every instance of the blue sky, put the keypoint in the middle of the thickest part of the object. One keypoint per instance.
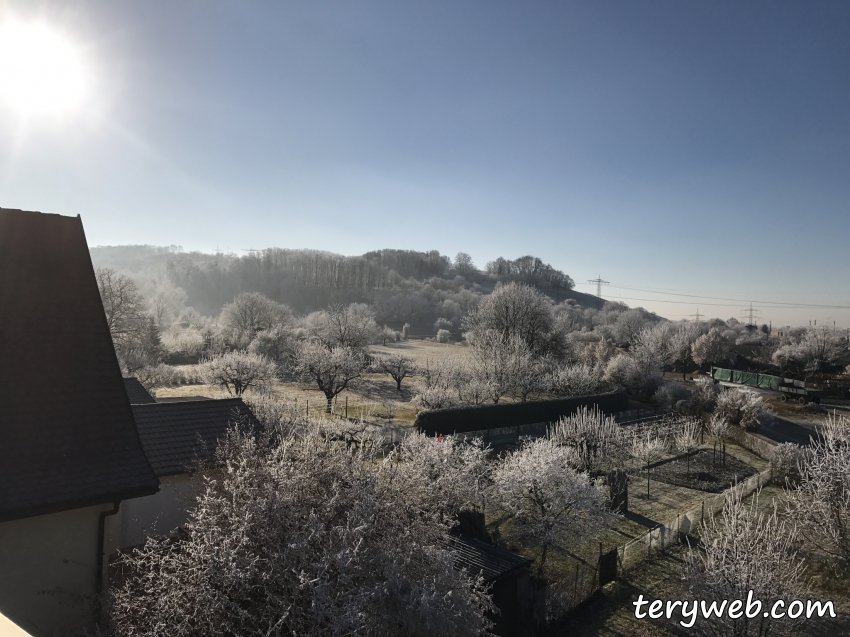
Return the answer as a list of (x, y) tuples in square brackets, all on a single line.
[(699, 148)]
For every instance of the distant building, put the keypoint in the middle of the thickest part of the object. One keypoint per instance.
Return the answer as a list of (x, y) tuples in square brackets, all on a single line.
[(70, 452)]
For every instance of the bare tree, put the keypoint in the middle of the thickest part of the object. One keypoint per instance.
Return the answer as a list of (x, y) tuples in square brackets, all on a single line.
[(124, 307), (398, 366), (238, 371), (334, 370), (551, 501), (299, 538), (463, 264)]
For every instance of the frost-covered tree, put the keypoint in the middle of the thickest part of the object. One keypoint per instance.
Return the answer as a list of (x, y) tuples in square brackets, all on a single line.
[(596, 439), (686, 438), (514, 310), (398, 366), (277, 344), (238, 371), (712, 347), (821, 503), (440, 380), (334, 370), (574, 380), (681, 344), (251, 313), (551, 502), (648, 448), (744, 553), (669, 395), (719, 428), (299, 538), (705, 394), (809, 349), (351, 326), (439, 476), (743, 408), (505, 366)]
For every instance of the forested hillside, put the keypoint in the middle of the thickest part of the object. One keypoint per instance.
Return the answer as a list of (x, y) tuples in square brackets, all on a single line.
[(402, 286)]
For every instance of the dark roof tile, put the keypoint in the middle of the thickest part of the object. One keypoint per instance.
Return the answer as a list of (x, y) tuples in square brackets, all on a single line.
[(67, 435), (137, 393), (177, 434), (490, 561)]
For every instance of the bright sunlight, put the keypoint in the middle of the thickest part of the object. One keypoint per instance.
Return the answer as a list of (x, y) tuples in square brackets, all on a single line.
[(41, 71)]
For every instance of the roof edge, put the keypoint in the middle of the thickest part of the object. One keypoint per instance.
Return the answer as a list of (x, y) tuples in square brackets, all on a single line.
[(31, 512)]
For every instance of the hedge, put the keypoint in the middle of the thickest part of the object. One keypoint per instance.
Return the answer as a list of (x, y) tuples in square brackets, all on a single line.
[(464, 419)]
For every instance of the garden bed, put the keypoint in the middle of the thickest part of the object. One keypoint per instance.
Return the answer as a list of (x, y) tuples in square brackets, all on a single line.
[(704, 472)]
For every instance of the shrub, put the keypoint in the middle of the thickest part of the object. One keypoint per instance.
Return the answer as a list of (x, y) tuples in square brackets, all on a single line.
[(444, 336), (669, 395), (785, 460)]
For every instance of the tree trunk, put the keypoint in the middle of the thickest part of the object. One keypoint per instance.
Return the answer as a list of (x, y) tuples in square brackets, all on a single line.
[(398, 384), (330, 401)]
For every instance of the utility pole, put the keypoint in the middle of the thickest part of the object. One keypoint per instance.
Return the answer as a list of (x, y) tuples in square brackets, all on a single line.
[(599, 283), (750, 315), (697, 315)]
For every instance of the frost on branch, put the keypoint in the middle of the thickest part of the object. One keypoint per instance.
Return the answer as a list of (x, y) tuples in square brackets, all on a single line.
[(298, 538), (744, 549), (551, 502)]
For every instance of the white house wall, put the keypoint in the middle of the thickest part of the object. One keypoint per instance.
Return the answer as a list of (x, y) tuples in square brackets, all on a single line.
[(48, 567)]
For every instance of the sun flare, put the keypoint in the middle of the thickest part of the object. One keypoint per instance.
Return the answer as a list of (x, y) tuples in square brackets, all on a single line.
[(41, 71)]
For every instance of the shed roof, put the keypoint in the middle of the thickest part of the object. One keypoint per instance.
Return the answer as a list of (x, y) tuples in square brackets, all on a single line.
[(490, 561), (176, 434), (137, 393), (67, 435)]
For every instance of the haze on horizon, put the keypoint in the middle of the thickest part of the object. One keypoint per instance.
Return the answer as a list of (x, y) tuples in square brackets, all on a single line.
[(689, 149)]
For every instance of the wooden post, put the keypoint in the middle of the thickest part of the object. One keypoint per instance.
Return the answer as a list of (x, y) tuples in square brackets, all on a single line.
[(346, 407), (308, 410)]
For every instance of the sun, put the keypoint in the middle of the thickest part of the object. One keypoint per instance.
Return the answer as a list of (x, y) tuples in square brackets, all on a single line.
[(41, 71)]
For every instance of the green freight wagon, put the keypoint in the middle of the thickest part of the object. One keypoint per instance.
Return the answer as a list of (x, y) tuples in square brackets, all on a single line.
[(789, 388)]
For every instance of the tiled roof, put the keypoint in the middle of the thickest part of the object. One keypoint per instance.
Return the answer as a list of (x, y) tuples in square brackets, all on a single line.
[(67, 436), (176, 434), (137, 393), (490, 561)]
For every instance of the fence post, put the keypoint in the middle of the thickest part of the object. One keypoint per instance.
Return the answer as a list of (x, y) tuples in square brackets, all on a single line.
[(702, 515), (308, 410)]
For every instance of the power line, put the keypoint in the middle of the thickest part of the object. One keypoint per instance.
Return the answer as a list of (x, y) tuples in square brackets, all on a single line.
[(721, 298), (787, 307)]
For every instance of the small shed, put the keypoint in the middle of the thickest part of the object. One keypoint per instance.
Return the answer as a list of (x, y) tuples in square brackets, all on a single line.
[(507, 575)]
